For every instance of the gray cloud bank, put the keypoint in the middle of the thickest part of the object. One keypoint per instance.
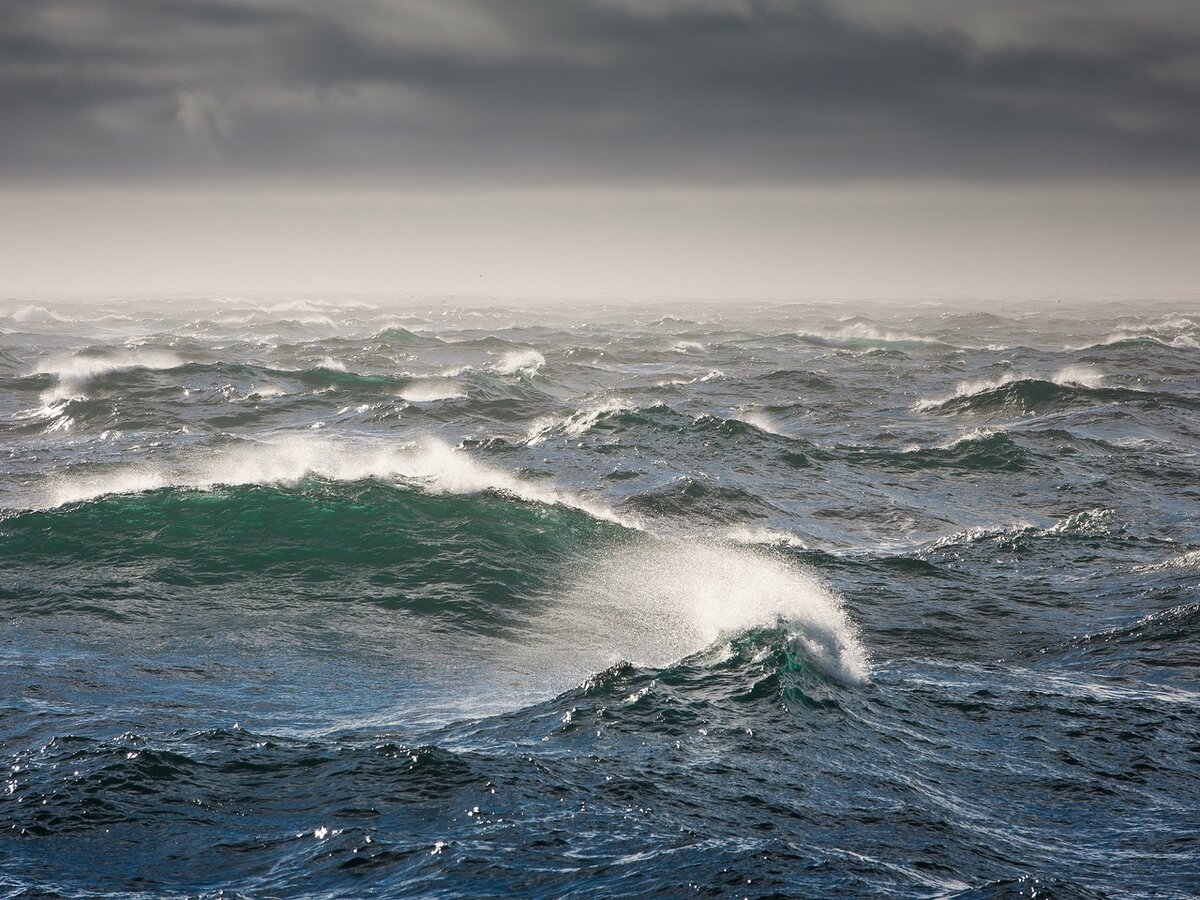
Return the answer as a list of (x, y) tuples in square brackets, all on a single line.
[(413, 93)]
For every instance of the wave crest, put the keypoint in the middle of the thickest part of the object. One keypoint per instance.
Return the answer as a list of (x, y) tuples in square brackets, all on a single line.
[(660, 602), (72, 374), (429, 463)]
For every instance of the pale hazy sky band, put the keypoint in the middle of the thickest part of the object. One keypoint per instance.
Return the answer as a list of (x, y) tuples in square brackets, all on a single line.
[(910, 126)]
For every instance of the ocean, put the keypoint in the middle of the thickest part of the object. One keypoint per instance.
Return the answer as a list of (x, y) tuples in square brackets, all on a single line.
[(341, 597)]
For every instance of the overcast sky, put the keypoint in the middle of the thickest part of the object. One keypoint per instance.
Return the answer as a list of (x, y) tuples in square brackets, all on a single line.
[(715, 147)]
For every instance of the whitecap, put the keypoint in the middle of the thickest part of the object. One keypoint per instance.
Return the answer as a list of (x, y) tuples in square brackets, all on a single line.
[(664, 600), (72, 374), (428, 463), (1188, 560), (431, 390), (759, 420), (519, 362), (1077, 375)]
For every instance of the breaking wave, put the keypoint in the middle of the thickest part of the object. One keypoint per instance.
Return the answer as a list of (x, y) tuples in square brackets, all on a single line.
[(429, 463)]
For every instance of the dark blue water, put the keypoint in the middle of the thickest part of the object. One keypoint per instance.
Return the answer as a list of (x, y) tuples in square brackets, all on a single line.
[(336, 598)]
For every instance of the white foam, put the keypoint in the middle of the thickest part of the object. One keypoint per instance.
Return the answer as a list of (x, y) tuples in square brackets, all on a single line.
[(1093, 521), (968, 389), (865, 332), (1083, 376), (35, 313), (664, 600), (1189, 560), (1068, 376), (1180, 341), (431, 390), (73, 373), (519, 362), (759, 420), (580, 422), (758, 535), (975, 434), (430, 463)]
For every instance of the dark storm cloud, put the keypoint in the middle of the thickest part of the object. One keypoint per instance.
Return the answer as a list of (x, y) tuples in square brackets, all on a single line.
[(417, 92)]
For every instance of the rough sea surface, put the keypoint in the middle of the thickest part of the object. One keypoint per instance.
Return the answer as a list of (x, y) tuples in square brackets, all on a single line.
[(357, 598)]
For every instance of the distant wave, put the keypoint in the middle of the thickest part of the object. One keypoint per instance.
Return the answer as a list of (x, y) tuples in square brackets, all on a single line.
[(610, 414), (72, 374), (1089, 523), (402, 337), (618, 417), (676, 380), (699, 500), (759, 535), (1084, 376), (980, 450), (588, 355), (1177, 333), (798, 378), (1188, 560), (1021, 393), (861, 336), (33, 312)]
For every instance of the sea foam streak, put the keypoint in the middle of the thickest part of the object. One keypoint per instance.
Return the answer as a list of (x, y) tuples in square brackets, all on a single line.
[(432, 464), (664, 600)]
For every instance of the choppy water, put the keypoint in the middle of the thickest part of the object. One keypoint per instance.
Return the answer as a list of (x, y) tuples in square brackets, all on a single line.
[(331, 598)]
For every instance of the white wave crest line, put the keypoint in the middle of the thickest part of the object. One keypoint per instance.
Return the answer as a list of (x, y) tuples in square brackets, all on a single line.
[(33, 312), (429, 390), (759, 535), (861, 331), (430, 463), (1069, 376), (1092, 521), (758, 419), (1188, 560), (519, 362), (581, 421), (72, 374), (1181, 340)]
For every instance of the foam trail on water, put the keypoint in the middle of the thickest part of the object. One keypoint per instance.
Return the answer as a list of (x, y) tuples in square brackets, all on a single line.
[(430, 463), (664, 600)]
